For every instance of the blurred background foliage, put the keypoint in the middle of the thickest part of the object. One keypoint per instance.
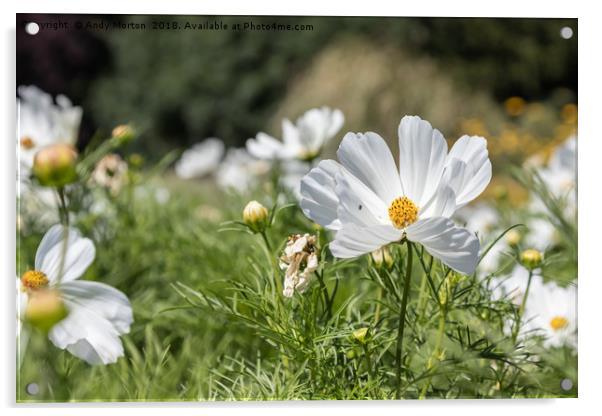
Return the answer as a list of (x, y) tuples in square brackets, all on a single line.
[(181, 86)]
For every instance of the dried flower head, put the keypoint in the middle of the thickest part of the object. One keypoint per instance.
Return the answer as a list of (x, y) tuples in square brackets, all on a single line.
[(300, 259), (111, 173)]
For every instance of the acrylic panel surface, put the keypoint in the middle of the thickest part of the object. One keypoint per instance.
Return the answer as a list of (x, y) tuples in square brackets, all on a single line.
[(295, 208)]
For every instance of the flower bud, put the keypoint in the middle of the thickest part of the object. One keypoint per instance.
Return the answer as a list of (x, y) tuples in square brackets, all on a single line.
[(360, 335), (123, 134), (255, 216), (513, 237), (136, 160), (54, 165), (45, 309), (531, 258), (382, 258)]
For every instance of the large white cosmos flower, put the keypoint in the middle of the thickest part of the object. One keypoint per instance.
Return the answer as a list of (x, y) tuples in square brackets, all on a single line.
[(97, 313), (303, 140), (370, 203)]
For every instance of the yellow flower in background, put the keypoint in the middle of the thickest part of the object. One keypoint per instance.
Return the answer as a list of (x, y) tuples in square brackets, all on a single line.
[(515, 106), (569, 113)]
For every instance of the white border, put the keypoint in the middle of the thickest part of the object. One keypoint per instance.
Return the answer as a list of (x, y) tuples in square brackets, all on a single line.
[(590, 206)]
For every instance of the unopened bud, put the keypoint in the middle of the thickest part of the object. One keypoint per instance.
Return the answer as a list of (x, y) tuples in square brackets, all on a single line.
[(54, 165), (255, 216), (45, 309), (531, 258), (513, 237), (123, 134), (360, 335), (136, 160), (382, 258)]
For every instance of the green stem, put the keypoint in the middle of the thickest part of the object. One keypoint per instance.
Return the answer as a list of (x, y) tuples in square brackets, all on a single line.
[(521, 309), (273, 263), (324, 291), (402, 319), (436, 351), (63, 211), (378, 305)]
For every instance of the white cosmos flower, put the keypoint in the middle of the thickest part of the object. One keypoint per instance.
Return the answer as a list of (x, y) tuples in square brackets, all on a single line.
[(370, 203), (303, 140), (40, 123), (240, 170), (552, 311), (98, 313), (201, 159)]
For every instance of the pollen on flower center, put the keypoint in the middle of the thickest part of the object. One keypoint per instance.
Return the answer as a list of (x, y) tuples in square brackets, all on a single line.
[(34, 279), (403, 212), (27, 143), (559, 322)]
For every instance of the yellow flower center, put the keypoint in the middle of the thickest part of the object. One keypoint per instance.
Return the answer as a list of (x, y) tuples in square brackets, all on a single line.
[(27, 143), (559, 322), (34, 279), (403, 212)]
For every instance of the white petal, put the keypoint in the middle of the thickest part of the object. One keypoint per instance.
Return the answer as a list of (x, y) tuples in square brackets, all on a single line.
[(368, 158), (98, 315), (472, 150), (264, 147), (353, 241), (201, 159), (443, 204), (103, 299), (52, 237), (358, 204), (78, 253), (290, 134), (319, 201), (422, 152), (454, 246), (336, 122)]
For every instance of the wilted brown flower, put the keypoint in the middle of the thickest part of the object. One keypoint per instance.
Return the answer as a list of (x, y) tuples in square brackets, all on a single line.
[(300, 259)]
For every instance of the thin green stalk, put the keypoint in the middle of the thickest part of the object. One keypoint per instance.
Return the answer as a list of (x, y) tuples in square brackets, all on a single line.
[(324, 290), (378, 305), (402, 319), (436, 351), (521, 309)]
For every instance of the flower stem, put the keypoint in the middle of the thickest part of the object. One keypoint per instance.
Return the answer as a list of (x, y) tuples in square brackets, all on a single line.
[(521, 309), (324, 290), (402, 319), (273, 262)]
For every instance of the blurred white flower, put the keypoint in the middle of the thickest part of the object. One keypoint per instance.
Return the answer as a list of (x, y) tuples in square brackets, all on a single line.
[(162, 195), (483, 219), (111, 173), (292, 173), (201, 159), (561, 172), (97, 313), (300, 260), (514, 285), (303, 140), (240, 171), (370, 203), (479, 218), (542, 233), (40, 123), (552, 311)]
